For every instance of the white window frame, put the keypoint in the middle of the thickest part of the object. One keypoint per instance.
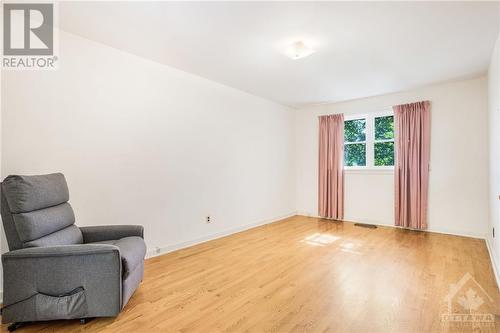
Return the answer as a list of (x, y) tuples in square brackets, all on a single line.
[(370, 140)]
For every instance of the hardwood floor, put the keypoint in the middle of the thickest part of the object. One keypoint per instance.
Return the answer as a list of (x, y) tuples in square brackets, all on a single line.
[(307, 275)]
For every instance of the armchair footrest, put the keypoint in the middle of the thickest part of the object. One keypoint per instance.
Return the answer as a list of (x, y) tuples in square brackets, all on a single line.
[(41, 307)]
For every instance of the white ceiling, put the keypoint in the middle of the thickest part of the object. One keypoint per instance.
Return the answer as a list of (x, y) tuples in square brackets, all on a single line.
[(363, 48)]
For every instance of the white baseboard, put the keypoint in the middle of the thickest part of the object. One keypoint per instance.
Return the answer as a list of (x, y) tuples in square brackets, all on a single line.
[(170, 248), (446, 232), (457, 233), (494, 261)]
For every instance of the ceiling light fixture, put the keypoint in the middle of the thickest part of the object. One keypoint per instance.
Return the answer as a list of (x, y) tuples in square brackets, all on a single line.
[(298, 50)]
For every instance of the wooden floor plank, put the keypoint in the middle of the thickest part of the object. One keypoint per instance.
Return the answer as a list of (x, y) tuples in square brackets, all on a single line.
[(304, 274)]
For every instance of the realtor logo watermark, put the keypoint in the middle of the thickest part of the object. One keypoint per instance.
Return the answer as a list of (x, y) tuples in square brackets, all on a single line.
[(468, 305), (29, 37)]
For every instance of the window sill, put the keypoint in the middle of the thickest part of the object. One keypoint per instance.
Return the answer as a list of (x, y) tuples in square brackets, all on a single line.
[(369, 171)]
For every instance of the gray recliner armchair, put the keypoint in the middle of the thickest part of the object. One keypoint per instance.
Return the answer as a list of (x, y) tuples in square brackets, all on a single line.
[(56, 270)]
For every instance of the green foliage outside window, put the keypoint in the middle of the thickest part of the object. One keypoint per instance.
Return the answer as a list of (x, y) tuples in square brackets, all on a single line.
[(355, 130), (384, 154), (355, 154), (384, 151), (384, 128)]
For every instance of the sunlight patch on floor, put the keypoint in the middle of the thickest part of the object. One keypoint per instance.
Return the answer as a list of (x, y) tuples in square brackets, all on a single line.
[(319, 239), (350, 248)]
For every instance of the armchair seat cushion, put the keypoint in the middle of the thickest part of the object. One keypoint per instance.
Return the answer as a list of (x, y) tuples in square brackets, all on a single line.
[(132, 252)]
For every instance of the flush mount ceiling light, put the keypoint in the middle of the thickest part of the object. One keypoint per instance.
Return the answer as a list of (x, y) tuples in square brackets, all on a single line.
[(298, 50)]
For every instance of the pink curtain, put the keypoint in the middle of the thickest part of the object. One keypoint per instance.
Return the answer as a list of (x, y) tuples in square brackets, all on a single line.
[(331, 166), (412, 128)]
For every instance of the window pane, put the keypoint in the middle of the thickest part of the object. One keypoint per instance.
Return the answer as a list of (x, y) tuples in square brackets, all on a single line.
[(355, 154), (354, 130), (384, 128), (384, 154)]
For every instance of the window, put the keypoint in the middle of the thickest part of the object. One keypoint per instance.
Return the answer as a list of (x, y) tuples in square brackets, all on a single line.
[(355, 142), (369, 141)]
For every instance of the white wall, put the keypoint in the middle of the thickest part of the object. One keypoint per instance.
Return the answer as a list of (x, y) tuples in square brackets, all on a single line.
[(143, 143), (494, 122), (458, 193)]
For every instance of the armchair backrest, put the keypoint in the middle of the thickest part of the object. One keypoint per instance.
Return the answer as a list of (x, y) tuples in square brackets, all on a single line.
[(35, 212)]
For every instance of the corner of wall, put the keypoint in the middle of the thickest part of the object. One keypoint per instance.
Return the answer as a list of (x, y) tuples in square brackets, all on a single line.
[(495, 263), (494, 157)]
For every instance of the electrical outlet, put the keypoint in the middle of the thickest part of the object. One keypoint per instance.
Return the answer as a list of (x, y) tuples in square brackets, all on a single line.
[(208, 219)]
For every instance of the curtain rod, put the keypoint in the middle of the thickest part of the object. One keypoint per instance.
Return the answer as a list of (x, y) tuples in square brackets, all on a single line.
[(380, 109)]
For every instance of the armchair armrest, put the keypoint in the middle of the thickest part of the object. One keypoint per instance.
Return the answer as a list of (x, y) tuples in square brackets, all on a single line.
[(110, 232), (57, 270), (59, 251)]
